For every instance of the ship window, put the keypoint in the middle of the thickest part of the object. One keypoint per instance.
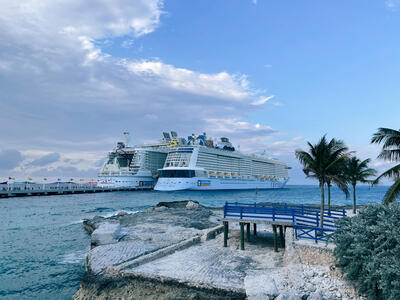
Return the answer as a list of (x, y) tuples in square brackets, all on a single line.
[(177, 173)]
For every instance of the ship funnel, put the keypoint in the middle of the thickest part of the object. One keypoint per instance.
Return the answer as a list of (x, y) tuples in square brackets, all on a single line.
[(167, 137), (127, 138)]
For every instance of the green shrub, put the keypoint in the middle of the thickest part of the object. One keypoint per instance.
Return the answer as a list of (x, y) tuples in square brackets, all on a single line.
[(368, 249)]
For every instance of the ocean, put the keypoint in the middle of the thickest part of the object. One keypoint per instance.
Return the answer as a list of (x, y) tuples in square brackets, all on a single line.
[(43, 243)]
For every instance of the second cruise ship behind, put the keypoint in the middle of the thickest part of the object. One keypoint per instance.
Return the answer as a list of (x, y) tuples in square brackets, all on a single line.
[(201, 165), (136, 166)]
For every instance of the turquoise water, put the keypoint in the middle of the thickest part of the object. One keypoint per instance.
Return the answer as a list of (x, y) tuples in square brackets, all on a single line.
[(43, 243)]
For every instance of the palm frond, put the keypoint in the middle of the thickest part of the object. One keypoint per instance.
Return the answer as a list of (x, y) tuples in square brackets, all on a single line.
[(304, 157), (388, 136), (391, 155), (393, 172), (392, 193), (358, 171)]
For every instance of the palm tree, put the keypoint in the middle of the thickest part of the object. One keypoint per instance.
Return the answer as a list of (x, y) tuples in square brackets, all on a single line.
[(358, 171), (391, 152), (322, 162)]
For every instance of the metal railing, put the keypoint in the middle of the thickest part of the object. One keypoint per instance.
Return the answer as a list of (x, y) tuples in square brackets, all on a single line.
[(305, 219)]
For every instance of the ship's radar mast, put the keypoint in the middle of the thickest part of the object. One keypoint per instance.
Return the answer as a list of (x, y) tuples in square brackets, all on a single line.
[(127, 138)]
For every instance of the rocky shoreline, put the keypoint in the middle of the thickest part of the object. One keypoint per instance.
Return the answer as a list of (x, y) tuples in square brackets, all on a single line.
[(174, 251)]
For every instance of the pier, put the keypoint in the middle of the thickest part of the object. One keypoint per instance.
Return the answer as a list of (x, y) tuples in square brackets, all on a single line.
[(35, 189), (304, 220)]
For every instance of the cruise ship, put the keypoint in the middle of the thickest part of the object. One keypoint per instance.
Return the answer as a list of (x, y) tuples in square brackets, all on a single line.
[(136, 166), (203, 165)]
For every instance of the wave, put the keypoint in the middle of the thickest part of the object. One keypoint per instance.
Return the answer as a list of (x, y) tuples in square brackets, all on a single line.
[(100, 209), (113, 214), (76, 257), (76, 222)]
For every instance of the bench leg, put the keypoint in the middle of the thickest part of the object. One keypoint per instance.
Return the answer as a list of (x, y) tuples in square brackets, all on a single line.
[(275, 238), (282, 238), (248, 232), (241, 236), (255, 229), (225, 234)]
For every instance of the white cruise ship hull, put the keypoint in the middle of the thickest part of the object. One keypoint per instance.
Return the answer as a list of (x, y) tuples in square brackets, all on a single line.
[(126, 181), (204, 184)]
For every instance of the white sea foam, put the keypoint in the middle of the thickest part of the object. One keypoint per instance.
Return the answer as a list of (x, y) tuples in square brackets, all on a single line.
[(76, 222), (76, 257), (113, 214)]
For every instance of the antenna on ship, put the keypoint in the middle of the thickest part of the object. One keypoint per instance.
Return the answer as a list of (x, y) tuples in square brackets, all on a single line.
[(127, 138)]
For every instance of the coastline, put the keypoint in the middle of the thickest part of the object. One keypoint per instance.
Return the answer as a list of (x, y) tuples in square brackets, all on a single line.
[(174, 251)]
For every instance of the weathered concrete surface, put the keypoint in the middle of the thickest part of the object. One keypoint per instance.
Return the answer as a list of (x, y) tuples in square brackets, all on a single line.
[(209, 264), (174, 251), (155, 255), (126, 237), (107, 233), (260, 286)]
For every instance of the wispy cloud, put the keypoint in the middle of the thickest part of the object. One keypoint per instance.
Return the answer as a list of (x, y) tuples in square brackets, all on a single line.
[(392, 4), (45, 160), (66, 95), (261, 100)]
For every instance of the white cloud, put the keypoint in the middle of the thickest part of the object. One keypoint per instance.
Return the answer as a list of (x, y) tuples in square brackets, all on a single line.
[(95, 19), (392, 4), (9, 159), (61, 93), (222, 85), (262, 100), (129, 43), (46, 159)]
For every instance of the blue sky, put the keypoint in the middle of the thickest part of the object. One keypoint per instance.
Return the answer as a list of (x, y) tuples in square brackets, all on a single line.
[(75, 74)]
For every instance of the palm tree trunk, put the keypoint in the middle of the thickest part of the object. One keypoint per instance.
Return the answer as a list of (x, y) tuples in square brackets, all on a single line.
[(329, 199), (354, 199), (321, 220)]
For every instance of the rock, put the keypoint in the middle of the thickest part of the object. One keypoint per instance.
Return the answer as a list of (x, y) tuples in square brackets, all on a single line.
[(299, 283), (305, 297), (92, 224), (192, 205), (260, 287), (293, 296), (316, 296), (338, 294), (288, 296), (121, 213), (284, 296), (310, 287), (160, 208), (309, 273), (107, 233)]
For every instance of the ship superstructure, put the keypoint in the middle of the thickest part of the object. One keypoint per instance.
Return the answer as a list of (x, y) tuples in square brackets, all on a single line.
[(136, 166), (202, 164)]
